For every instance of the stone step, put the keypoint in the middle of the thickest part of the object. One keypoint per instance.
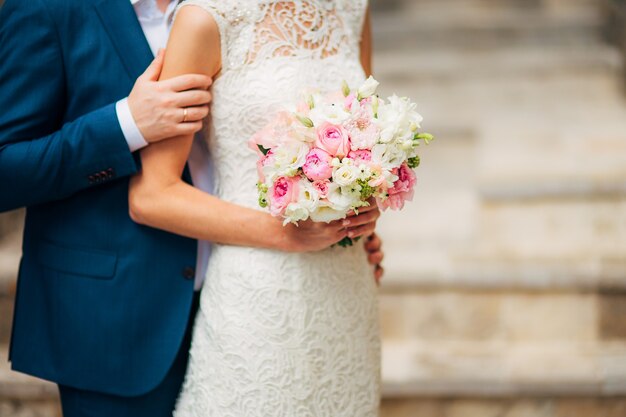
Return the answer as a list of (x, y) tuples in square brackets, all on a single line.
[(470, 26), (478, 369), (24, 396), (541, 406)]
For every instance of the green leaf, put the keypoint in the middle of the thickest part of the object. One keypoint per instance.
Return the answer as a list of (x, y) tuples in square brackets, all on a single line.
[(263, 150)]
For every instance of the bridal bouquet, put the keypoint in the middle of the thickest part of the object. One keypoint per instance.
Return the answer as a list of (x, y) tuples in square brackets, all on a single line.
[(332, 153)]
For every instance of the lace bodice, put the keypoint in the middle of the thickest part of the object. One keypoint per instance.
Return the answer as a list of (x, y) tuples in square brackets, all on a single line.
[(278, 334), (253, 30)]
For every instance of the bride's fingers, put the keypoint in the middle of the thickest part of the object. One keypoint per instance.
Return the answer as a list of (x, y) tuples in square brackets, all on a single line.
[(375, 258), (361, 219), (378, 273), (359, 231)]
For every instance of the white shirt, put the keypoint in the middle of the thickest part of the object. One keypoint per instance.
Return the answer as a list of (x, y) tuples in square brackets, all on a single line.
[(156, 26)]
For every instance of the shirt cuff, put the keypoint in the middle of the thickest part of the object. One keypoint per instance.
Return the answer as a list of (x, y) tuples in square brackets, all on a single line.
[(131, 132)]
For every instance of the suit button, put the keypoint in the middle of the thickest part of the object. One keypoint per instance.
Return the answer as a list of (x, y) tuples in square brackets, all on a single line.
[(189, 273)]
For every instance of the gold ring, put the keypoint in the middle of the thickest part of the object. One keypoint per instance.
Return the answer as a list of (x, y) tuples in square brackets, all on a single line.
[(184, 114)]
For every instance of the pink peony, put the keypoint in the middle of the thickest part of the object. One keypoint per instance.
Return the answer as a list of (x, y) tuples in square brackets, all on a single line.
[(333, 139), (402, 190), (322, 187), (282, 193), (360, 156), (317, 165)]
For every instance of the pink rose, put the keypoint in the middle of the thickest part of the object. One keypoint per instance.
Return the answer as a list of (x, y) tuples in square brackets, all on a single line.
[(333, 139), (317, 165), (322, 187), (282, 193), (360, 156), (264, 160)]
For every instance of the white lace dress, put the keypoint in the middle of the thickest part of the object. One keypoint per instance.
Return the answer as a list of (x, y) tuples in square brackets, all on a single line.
[(279, 334)]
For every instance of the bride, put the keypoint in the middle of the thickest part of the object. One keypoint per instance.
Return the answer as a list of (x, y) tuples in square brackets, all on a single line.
[(288, 328)]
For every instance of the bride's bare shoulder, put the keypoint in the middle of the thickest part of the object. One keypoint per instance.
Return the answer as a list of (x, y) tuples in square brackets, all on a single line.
[(195, 36)]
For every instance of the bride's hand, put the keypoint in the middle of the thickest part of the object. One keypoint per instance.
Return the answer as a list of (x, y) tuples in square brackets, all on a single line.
[(363, 223), (310, 236)]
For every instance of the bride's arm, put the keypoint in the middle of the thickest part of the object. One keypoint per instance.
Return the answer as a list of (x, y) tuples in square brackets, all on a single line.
[(366, 44), (159, 198)]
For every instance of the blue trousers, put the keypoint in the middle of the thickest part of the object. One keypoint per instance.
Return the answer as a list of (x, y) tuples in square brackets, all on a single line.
[(159, 402)]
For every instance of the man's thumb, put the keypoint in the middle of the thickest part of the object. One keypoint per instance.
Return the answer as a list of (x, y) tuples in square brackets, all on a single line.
[(153, 71)]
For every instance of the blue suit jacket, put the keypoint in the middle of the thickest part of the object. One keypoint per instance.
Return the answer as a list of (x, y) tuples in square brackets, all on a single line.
[(102, 303)]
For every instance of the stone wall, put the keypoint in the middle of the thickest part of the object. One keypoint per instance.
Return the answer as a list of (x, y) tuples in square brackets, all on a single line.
[(505, 292)]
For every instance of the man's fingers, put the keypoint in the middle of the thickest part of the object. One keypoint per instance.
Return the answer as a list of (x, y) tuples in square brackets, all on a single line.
[(193, 114), (188, 82), (373, 244), (375, 258), (191, 98), (153, 71), (184, 129), (378, 273)]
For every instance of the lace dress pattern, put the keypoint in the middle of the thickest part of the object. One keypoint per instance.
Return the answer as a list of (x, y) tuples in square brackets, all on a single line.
[(280, 334)]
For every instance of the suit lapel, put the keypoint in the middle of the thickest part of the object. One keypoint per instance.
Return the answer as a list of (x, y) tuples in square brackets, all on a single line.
[(120, 21)]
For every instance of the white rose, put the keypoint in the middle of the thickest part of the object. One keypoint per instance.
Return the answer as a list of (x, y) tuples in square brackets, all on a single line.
[(368, 88), (346, 174)]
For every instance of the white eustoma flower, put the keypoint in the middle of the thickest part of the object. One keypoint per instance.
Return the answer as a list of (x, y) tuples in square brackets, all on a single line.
[(308, 196), (388, 156), (368, 88), (339, 199), (328, 112), (295, 212), (325, 213), (346, 174), (398, 119), (286, 159)]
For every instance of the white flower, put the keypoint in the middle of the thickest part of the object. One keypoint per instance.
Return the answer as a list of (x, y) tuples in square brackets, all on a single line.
[(346, 174), (398, 119), (286, 159), (388, 157), (340, 198), (295, 212), (325, 213), (368, 88), (308, 196), (328, 112)]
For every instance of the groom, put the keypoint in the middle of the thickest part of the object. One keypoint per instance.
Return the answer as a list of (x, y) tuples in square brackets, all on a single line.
[(103, 305)]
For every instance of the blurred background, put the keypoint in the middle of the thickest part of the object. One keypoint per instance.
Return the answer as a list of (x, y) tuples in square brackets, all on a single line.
[(505, 292)]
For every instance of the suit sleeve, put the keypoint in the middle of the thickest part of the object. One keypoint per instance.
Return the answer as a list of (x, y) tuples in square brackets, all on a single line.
[(43, 158)]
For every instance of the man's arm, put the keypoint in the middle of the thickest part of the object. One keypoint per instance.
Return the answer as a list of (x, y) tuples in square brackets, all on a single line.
[(41, 159), (44, 159)]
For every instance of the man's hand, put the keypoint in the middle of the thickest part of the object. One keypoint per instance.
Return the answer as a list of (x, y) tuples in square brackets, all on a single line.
[(375, 256), (170, 108)]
